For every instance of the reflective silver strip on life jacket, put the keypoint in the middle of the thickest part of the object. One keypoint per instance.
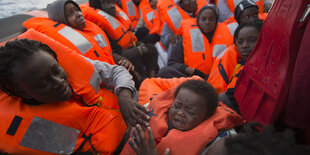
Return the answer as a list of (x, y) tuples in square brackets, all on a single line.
[(218, 49), (175, 17), (95, 81), (232, 27), (123, 15), (101, 40), (222, 54), (76, 39), (236, 2), (150, 16), (110, 19), (130, 8), (198, 44), (48, 136)]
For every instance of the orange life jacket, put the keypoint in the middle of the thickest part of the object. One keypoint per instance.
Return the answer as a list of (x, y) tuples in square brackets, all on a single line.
[(92, 42), (198, 52), (151, 17), (186, 142), (172, 14), (232, 24), (223, 68), (81, 74), (116, 30), (122, 17), (153, 86), (132, 11), (235, 78), (105, 137)]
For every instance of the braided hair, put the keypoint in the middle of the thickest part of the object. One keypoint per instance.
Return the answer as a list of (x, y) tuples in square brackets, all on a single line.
[(17, 51)]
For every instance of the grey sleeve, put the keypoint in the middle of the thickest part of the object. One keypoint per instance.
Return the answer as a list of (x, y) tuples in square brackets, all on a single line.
[(113, 76), (176, 59), (165, 37)]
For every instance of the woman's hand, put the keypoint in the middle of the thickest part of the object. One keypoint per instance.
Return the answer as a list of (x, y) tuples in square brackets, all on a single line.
[(133, 113)]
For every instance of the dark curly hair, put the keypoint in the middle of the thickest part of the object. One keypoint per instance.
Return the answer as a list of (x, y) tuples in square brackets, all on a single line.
[(17, 51), (258, 24), (203, 89), (267, 142)]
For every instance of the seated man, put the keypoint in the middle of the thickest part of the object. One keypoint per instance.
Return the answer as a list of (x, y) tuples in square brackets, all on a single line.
[(187, 118)]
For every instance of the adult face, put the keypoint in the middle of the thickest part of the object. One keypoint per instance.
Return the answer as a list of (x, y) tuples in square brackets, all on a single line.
[(40, 77), (108, 6), (207, 21), (188, 5), (246, 41), (188, 110), (248, 15), (74, 16)]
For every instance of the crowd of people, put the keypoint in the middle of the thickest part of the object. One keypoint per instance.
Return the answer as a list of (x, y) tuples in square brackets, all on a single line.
[(90, 79)]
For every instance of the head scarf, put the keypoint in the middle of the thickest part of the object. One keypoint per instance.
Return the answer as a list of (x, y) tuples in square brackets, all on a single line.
[(56, 11), (242, 6), (216, 11)]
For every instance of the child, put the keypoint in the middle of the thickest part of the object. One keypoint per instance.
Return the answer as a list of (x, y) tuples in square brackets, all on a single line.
[(185, 119)]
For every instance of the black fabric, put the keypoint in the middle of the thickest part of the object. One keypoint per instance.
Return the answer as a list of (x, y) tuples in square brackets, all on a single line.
[(228, 99), (96, 53), (176, 59), (87, 139), (223, 72), (201, 74), (14, 125), (95, 4), (114, 46), (143, 35), (170, 72)]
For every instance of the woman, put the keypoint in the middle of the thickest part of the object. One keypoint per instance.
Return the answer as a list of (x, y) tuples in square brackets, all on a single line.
[(199, 45), (46, 103), (235, 56)]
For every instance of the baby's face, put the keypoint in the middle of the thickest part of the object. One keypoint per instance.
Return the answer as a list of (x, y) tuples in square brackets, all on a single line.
[(188, 110)]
